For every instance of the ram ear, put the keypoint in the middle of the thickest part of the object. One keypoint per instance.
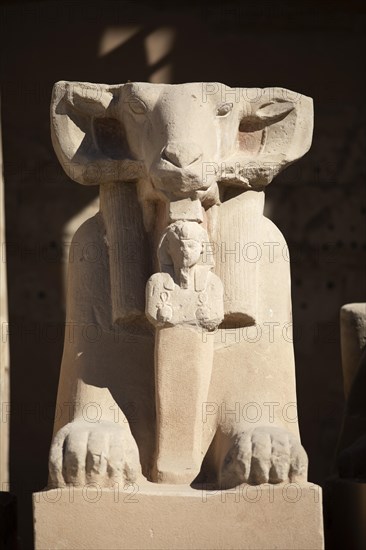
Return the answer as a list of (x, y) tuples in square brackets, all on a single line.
[(274, 130), (274, 111), (87, 134)]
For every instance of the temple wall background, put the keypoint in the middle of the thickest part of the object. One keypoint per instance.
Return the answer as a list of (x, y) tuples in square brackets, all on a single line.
[(319, 204)]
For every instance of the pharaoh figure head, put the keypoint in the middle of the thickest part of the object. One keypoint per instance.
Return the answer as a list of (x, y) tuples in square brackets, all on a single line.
[(183, 242)]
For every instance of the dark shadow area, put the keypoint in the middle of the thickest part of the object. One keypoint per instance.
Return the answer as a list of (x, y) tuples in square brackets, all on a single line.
[(319, 204)]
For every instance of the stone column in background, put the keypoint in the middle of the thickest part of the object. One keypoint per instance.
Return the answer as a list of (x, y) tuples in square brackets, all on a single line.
[(4, 344)]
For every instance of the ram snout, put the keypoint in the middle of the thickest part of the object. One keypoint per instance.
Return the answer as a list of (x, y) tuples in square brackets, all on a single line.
[(178, 171)]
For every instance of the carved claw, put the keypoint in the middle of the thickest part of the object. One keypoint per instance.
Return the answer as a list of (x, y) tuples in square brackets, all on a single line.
[(264, 455), (103, 453)]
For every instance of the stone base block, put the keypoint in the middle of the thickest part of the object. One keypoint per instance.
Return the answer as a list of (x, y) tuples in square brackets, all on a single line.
[(150, 516)]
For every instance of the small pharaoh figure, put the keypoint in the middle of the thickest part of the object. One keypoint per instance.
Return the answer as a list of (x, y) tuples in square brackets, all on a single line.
[(185, 291), (183, 300)]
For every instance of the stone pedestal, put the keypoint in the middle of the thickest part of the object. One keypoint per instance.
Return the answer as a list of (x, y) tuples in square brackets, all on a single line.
[(148, 516)]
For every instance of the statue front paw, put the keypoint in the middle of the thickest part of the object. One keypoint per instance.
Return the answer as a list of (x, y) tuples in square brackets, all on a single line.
[(264, 455), (104, 453)]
